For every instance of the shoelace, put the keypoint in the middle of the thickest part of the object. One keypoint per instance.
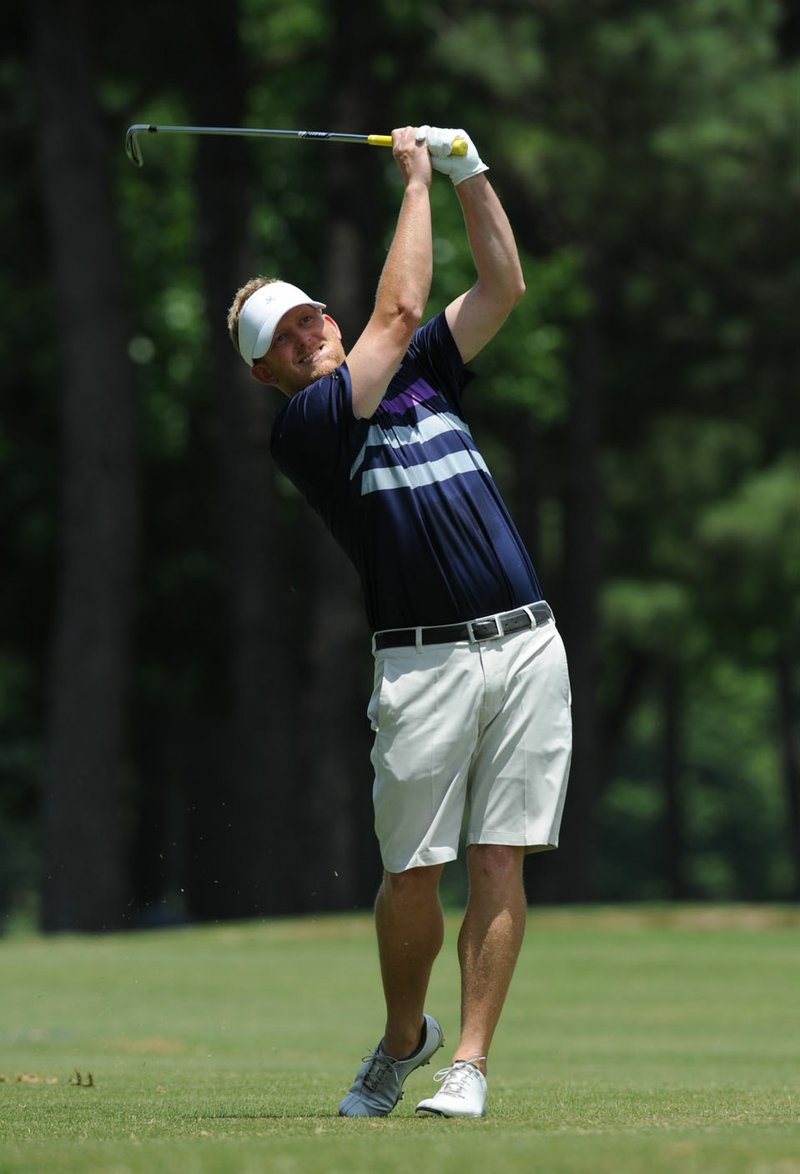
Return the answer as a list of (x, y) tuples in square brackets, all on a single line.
[(381, 1064), (454, 1079)]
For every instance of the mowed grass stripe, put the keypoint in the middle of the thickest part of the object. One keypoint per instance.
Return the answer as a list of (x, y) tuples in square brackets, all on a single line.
[(641, 1039)]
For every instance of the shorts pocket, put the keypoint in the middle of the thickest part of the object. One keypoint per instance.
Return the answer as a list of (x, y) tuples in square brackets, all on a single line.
[(373, 709)]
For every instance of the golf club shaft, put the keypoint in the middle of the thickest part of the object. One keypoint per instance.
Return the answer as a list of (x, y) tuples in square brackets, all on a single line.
[(135, 154)]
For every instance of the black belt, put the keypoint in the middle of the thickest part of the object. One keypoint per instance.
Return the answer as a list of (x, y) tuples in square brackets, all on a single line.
[(504, 624)]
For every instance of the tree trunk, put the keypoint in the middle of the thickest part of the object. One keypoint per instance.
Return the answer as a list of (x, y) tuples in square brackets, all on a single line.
[(567, 875), (84, 804), (337, 778), (341, 855), (674, 841), (789, 718), (243, 852)]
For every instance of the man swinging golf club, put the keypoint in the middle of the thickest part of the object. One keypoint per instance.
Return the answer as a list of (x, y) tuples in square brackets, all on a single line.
[(471, 704)]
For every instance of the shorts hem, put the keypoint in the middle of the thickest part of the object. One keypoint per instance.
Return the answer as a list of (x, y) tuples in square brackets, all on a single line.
[(513, 842), (427, 859)]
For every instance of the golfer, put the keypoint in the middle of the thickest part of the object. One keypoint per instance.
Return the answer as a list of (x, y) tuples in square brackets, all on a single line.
[(471, 700)]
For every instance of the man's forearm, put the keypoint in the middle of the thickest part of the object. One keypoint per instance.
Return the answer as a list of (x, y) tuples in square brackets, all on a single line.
[(491, 240), (399, 302), (406, 278)]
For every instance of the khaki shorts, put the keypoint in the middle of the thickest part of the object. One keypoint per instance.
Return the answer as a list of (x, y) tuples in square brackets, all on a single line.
[(479, 727)]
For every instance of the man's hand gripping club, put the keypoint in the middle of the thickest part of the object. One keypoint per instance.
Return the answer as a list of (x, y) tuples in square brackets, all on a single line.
[(440, 145)]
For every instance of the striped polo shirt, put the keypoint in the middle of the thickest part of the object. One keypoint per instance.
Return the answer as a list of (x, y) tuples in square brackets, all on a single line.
[(406, 493)]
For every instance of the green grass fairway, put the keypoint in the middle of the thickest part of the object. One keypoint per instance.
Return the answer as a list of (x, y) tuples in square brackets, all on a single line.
[(640, 1040)]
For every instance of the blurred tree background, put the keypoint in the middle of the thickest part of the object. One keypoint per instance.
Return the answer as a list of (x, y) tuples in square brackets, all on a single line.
[(184, 663)]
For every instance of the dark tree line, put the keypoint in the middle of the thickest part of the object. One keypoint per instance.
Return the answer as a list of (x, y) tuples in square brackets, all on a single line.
[(184, 662)]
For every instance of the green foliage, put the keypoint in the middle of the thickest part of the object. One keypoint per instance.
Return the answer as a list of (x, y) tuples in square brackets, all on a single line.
[(280, 34), (762, 521), (731, 806), (752, 538), (529, 361), (647, 613), (506, 57), (647, 156)]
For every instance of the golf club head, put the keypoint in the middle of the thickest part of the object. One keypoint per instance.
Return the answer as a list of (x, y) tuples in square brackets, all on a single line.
[(132, 149)]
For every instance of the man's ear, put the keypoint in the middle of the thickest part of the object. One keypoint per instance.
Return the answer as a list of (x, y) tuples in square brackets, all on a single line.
[(334, 324), (262, 375)]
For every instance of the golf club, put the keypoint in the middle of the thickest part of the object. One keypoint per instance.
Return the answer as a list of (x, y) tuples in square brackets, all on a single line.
[(134, 151)]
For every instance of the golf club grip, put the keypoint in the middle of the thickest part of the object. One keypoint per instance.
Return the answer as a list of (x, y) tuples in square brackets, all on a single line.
[(457, 147)]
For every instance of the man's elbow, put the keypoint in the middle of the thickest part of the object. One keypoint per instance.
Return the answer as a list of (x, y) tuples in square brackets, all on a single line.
[(517, 292), (411, 314), (510, 297), (407, 318)]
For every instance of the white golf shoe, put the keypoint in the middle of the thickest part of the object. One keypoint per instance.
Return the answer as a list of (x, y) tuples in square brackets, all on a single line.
[(463, 1092), (378, 1085)]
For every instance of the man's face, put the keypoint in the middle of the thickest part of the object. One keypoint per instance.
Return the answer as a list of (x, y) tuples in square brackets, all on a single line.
[(307, 344)]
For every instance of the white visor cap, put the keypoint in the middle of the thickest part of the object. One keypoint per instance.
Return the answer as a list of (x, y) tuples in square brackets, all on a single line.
[(262, 312)]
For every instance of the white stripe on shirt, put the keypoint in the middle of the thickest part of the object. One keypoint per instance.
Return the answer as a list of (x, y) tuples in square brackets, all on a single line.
[(405, 434), (415, 476)]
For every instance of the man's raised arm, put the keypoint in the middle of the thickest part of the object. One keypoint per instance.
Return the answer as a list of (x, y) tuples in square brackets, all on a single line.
[(404, 285), (476, 316)]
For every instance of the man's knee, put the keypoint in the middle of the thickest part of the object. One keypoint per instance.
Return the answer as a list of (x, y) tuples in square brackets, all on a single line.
[(495, 864), (414, 883)]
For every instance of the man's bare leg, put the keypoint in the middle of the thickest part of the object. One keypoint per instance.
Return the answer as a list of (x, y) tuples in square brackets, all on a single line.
[(489, 943), (410, 929)]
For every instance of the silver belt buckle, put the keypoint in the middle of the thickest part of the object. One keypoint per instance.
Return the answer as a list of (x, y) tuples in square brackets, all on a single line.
[(476, 638)]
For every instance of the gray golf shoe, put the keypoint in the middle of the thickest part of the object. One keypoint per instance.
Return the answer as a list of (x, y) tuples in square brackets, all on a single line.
[(378, 1085)]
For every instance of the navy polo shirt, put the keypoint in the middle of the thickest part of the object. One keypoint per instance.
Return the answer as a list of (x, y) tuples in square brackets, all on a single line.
[(406, 493)]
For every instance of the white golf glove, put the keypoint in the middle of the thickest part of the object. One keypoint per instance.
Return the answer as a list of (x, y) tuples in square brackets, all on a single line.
[(440, 142)]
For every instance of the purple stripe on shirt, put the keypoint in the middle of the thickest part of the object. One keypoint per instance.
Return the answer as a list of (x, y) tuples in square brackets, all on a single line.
[(409, 397)]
